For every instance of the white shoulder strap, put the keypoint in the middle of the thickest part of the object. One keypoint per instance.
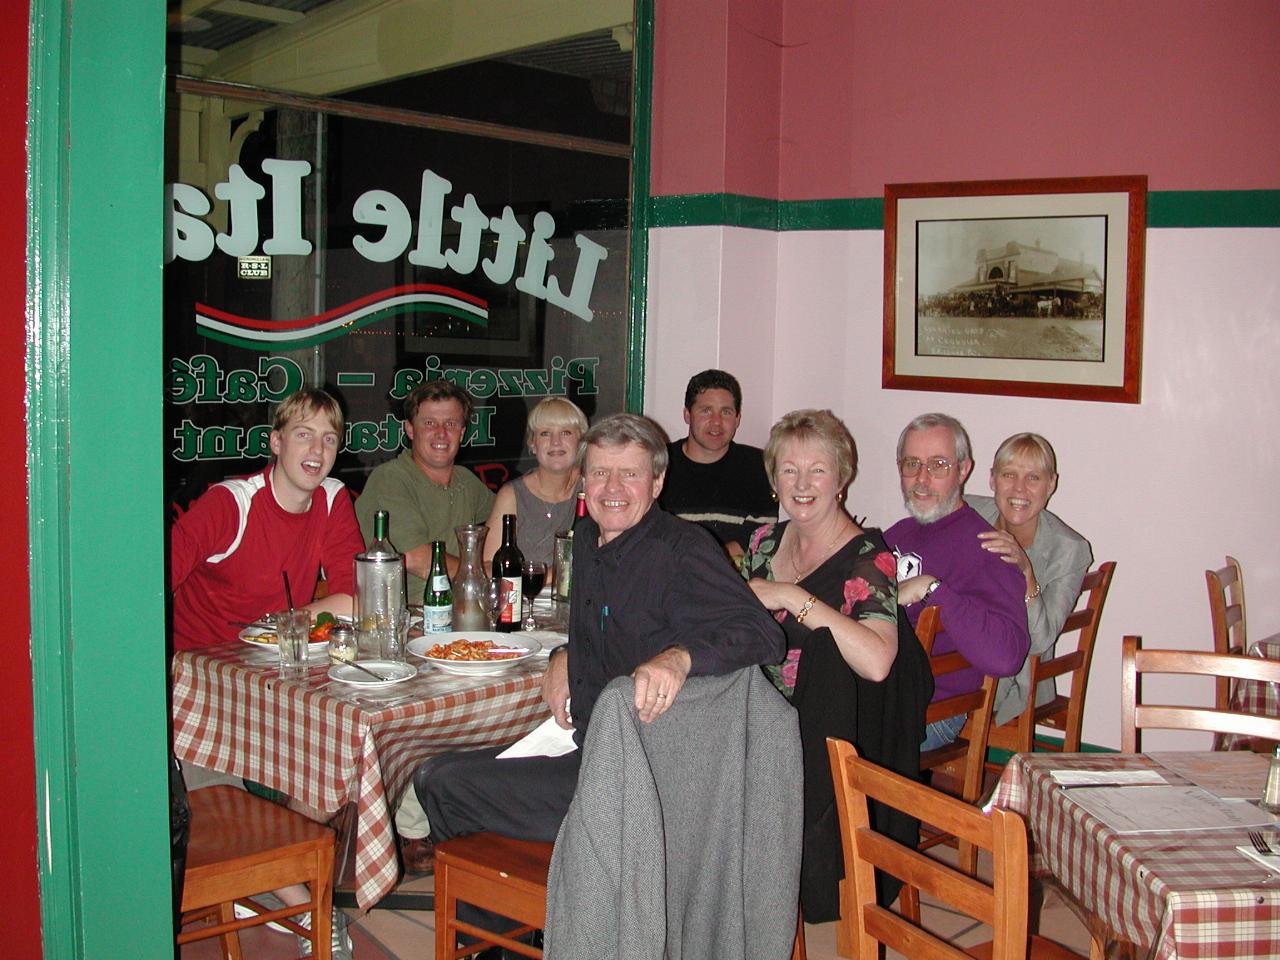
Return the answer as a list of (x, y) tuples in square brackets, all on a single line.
[(331, 489), (242, 489)]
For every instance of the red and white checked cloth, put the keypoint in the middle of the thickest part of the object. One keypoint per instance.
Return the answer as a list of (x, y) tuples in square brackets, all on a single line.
[(1184, 894), (327, 744), (1255, 696)]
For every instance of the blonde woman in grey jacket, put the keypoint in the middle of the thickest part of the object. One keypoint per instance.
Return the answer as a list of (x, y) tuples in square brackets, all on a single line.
[(1050, 555)]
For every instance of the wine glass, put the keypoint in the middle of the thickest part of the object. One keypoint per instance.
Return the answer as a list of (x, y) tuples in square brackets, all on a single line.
[(495, 598), (533, 575)]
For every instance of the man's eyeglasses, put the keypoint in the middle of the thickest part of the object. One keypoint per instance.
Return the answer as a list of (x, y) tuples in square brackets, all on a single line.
[(938, 467)]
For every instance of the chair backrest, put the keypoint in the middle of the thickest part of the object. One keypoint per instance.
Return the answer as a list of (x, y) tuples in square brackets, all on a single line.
[(927, 627), (970, 749), (1135, 715), (1084, 622), (1002, 905), (1226, 613), (965, 757)]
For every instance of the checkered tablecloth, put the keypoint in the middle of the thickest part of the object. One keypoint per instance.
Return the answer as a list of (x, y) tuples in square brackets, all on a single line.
[(1256, 696), (1175, 894), (327, 744)]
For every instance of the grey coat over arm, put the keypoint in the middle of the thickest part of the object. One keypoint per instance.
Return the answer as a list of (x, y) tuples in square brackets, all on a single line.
[(684, 837)]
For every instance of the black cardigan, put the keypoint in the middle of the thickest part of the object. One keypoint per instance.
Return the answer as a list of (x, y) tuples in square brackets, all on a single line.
[(885, 722)]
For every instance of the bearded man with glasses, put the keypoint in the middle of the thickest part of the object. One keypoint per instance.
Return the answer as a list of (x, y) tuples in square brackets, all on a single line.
[(941, 561)]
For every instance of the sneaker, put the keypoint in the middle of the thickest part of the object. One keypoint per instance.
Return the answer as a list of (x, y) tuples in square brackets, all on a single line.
[(340, 941), (268, 901)]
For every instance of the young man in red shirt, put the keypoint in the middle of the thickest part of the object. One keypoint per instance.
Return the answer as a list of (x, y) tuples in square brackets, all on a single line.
[(229, 549)]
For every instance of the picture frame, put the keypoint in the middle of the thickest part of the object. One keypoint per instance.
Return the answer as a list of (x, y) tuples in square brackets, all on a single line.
[(1016, 287)]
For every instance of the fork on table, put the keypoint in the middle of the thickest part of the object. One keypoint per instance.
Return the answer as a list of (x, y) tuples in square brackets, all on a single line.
[(1260, 844)]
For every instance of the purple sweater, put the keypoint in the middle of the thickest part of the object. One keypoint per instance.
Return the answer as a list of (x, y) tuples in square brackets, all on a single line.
[(983, 612)]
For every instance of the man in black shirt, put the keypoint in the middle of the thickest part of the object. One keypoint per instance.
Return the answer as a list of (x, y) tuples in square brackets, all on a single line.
[(652, 598), (713, 481)]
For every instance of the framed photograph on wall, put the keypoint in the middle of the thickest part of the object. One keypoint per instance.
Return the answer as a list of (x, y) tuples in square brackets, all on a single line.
[(1018, 287)]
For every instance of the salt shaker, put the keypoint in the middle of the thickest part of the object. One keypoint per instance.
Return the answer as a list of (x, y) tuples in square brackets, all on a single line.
[(342, 643), (1271, 793)]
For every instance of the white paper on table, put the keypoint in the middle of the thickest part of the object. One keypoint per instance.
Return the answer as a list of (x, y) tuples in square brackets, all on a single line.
[(1080, 777), (1146, 809), (548, 639), (548, 739), (1272, 862)]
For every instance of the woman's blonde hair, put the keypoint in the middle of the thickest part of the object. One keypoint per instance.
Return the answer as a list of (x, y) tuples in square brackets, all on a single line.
[(554, 412), (1030, 445), (822, 426)]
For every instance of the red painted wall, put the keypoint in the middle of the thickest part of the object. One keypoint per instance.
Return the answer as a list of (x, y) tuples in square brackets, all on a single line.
[(18, 799), (877, 91)]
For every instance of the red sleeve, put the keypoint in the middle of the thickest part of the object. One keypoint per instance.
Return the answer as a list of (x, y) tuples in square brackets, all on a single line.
[(207, 528), (341, 543)]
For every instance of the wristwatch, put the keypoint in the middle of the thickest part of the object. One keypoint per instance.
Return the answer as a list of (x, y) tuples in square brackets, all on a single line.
[(928, 591)]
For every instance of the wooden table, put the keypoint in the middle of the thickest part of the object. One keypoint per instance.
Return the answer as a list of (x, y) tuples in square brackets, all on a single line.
[(1175, 894), (328, 744)]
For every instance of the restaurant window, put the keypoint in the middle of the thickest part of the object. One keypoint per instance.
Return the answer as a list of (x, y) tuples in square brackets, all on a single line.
[(362, 197)]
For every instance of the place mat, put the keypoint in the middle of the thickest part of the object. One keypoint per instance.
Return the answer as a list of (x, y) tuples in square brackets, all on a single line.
[(1235, 774), (1148, 808)]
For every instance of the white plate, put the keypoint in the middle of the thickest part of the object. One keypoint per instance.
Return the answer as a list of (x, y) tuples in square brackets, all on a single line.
[(394, 672), (420, 645), (266, 637)]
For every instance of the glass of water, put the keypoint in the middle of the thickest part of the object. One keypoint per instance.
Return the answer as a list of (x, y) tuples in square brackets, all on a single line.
[(293, 628)]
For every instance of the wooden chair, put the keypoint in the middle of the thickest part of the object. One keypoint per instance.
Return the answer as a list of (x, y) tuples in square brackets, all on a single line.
[(1065, 713), (1226, 613), (508, 877), (1135, 715), (963, 759), (1002, 905), (243, 845)]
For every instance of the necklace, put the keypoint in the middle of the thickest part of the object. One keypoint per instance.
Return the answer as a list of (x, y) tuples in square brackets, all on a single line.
[(536, 478), (794, 557)]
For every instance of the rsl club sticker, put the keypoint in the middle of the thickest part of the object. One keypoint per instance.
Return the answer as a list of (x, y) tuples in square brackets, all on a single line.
[(909, 565)]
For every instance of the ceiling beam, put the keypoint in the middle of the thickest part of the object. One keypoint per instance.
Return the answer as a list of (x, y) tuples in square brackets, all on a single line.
[(350, 44), (257, 11)]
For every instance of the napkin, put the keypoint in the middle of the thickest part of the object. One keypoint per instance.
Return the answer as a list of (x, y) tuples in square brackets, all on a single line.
[(549, 639), (1110, 778), (549, 739), (1271, 862)]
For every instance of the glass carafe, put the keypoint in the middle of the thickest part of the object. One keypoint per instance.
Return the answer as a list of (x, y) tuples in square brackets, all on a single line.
[(470, 583)]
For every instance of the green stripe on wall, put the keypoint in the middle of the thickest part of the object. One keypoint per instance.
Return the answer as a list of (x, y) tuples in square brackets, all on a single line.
[(1169, 208), (1214, 208)]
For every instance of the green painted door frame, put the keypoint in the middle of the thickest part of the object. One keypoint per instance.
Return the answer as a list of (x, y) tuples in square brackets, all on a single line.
[(97, 516), (94, 388)]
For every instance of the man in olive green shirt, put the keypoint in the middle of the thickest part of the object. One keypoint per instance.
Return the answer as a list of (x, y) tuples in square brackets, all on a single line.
[(422, 489)]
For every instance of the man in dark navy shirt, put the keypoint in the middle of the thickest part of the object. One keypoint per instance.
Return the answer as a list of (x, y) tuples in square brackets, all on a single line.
[(652, 598)]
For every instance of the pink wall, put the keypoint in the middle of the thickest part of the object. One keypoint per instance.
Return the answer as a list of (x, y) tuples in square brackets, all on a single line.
[(718, 74), (18, 807), (877, 91)]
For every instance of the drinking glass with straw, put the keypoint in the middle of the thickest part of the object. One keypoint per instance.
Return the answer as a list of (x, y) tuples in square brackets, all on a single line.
[(292, 628)]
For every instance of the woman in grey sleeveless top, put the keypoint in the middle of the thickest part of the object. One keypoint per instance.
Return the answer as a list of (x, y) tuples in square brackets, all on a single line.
[(543, 499)]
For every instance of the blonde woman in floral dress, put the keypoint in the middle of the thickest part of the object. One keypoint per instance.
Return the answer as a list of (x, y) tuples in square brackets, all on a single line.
[(854, 669)]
